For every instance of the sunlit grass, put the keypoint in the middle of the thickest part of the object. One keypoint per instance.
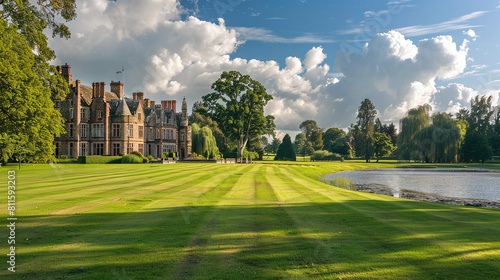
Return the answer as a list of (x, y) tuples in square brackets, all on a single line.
[(271, 220)]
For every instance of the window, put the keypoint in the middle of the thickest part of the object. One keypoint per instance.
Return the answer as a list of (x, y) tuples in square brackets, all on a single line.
[(158, 133), (139, 116), (182, 136), (83, 130), (57, 149), (165, 134), (97, 149), (116, 130), (82, 114), (141, 131), (70, 150), (56, 104), (150, 134), (131, 130), (70, 103), (70, 130), (158, 118), (98, 130), (71, 113), (99, 114), (116, 149), (164, 148), (141, 148), (130, 148), (83, 149)]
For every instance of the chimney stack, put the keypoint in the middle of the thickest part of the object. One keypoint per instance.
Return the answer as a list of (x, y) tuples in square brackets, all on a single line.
[(117, 88), (98, 90), (138, 96), (169, 104), (152, 103), (65, 71), (147, 103)]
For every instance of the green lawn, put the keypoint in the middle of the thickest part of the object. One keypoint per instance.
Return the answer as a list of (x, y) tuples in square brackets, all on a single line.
[(216, 221)]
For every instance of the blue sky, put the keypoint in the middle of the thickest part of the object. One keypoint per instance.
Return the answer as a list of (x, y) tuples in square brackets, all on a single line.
[(319, 59)]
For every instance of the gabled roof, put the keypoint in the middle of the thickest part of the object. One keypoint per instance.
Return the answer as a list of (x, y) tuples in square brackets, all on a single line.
[(123, 106)]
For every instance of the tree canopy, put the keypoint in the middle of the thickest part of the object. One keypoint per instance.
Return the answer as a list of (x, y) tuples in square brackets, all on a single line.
[(415, 120), (27, 81), (237, 104), (203, 142), (28, 120), (476, 146)]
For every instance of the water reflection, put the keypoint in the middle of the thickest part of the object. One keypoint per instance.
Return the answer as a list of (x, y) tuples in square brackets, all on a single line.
[(449, 183)]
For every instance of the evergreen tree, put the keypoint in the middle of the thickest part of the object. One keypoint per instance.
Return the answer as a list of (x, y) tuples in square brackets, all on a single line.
[(366, 122), (382, 145), (285, 150)]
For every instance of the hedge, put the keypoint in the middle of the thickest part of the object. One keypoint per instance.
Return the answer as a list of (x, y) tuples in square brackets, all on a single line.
[(131, 158), (326, 155), (99, 159)]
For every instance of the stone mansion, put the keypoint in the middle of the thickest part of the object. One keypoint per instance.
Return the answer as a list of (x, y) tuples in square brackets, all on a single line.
[(99, 122)]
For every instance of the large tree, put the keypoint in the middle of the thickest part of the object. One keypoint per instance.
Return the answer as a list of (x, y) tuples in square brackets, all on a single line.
[(439, 142), (313, 134), (237, 104), (416, 119), (366, 122), (27, 81), (203, 141), (28, 120), (382, 145), (476, 146), (330, 136)]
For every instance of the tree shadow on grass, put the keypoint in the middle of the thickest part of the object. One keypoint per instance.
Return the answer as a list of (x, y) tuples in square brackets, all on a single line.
[(358, 239)]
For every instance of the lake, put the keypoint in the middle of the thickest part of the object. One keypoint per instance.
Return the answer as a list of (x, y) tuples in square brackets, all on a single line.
[(458, 183)]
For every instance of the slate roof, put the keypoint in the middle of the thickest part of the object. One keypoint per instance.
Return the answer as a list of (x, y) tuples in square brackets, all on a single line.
[(168, 113), (86, 92), (118, 107)]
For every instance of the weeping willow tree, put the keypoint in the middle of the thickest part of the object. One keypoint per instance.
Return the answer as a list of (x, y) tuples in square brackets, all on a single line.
[(203, 142), (416, 119), (439, 142)]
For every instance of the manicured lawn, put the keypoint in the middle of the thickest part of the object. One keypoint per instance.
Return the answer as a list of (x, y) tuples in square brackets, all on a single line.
[(216, 221)]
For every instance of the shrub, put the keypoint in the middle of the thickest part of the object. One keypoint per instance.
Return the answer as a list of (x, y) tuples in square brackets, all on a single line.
[(99, 159), (326, 155), (150, 158), (137, 154), (63, 157), (145, 160), (131, 158)]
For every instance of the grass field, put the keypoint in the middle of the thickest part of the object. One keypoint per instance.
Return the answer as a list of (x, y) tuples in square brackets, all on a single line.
[(214, 221)]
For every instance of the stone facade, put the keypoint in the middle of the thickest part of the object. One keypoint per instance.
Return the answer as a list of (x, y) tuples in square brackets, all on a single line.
[(107, 123)]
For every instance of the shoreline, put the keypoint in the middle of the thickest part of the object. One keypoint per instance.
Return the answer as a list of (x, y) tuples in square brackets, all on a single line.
[(415, 195)]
